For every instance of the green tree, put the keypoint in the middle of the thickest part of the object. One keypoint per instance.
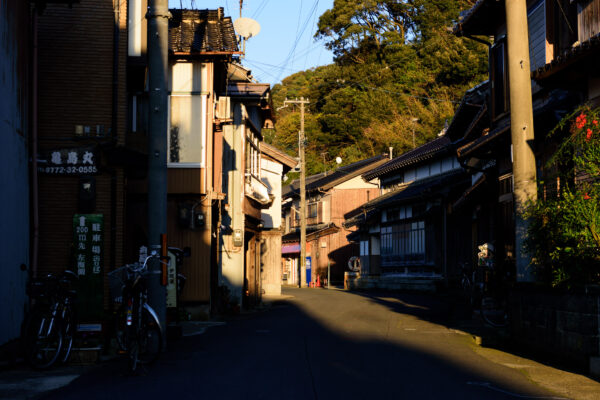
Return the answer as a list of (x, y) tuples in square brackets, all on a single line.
[(395, 62)]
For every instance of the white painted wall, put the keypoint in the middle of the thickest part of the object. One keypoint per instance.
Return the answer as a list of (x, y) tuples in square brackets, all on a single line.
[(358, 183)]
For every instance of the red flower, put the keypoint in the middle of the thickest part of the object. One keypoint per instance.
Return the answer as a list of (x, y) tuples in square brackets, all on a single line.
[(586, 196), (595, 122), (580, 121), (588, 135)]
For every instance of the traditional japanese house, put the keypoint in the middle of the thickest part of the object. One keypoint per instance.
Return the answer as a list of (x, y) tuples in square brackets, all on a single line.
[(274, 165), (244, 109), (328, 197), (563, 48), (201, 45), (409, 237)]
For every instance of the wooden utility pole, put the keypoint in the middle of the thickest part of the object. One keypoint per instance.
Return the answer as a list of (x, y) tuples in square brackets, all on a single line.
[(521, 126), (301, 144)]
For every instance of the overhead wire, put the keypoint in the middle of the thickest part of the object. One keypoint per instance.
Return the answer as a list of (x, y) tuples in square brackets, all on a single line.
[(299, 35)]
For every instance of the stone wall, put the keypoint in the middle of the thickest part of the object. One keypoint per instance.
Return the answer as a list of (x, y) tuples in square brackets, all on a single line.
[(565, 326)]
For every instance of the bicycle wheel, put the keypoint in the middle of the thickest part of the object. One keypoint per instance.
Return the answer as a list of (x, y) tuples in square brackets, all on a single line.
[(493, 311), (43, 340), (150, 339), (120, 328), (68, 335)]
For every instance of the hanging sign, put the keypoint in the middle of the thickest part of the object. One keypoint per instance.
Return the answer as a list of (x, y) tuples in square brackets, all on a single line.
[(73, 161), (88, 242)]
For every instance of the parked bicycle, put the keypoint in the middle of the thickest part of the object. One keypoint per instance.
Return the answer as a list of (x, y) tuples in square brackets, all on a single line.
[(485, 289), (137, 327), (50, 326)]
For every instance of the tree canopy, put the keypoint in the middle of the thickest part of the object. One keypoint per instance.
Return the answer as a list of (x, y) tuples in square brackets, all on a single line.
[(398, 71)]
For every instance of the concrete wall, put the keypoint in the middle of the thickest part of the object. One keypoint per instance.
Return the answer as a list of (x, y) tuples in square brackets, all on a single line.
[(14, 132)]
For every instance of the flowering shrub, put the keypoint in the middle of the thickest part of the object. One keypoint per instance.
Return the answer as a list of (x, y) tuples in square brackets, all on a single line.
[(564, 230)]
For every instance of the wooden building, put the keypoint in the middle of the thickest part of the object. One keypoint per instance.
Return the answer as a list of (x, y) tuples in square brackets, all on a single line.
[(329, 196), (409, 236), (564, 57)]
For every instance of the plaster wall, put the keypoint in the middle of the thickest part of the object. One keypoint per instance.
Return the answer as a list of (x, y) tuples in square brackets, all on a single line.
[(231, 271)]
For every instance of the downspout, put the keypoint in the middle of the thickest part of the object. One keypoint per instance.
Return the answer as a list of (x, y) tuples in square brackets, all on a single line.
[(34, 150), (114, 136)]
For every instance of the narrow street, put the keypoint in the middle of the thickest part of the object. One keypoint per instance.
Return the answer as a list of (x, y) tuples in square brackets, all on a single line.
[(320, 344)]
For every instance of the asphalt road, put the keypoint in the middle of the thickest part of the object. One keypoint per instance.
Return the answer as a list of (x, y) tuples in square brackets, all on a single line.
[(319, 344)]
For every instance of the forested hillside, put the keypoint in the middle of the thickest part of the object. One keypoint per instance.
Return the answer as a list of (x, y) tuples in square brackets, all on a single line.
[(397, 70)]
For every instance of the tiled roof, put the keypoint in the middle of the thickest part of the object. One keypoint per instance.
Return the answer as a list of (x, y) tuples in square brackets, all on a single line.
[(278, 155), (201, 31), (340, 175), (469, 111), (406, 193), (479, 20), (573, 55), (421, 153)]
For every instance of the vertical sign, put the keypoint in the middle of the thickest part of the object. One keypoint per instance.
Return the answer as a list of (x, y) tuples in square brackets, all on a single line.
[(308, 269), (88, 243)]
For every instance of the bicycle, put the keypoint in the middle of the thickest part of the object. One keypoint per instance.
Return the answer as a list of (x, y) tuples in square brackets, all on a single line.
[(50, 326), (484, 290), (137, 328)]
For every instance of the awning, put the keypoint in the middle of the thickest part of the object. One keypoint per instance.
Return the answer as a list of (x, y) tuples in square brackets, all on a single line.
[(290, 248)]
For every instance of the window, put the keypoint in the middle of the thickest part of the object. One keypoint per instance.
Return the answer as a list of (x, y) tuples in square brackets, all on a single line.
[(252, 156), (313, 210), (187, 115), (403, 243), (499, 78)]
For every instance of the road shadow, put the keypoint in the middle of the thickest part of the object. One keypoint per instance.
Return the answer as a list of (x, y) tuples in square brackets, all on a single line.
[(455, 312), (285, 352)]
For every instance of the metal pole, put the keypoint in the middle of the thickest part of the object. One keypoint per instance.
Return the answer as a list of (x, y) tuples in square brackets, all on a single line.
[(521, 121), (158, 15)]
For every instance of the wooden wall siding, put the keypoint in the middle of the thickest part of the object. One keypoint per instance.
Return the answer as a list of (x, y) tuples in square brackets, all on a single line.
[(588, 19), (537, 40), (271, 263), (218, 164), (185, 180), (343, 201), (196, 268)]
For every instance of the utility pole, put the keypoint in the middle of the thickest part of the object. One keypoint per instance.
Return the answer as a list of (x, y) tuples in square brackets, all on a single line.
[(521, 126), (301, 144), (158, 17)]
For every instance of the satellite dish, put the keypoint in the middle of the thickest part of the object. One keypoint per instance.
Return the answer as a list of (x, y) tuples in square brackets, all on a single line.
[(246, 27), (338, 160)]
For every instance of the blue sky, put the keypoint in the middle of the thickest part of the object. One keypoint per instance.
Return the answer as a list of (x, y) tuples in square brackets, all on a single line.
[(285, 43)]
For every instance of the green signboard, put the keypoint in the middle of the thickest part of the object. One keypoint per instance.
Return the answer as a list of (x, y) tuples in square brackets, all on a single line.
[(88, 242)]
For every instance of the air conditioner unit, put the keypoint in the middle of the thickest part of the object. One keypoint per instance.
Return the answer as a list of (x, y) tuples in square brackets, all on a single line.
[(223, 110)]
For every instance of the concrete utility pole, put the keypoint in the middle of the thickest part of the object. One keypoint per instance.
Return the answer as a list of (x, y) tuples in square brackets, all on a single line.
[(521, 126), (301, 143), (158, 18)]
